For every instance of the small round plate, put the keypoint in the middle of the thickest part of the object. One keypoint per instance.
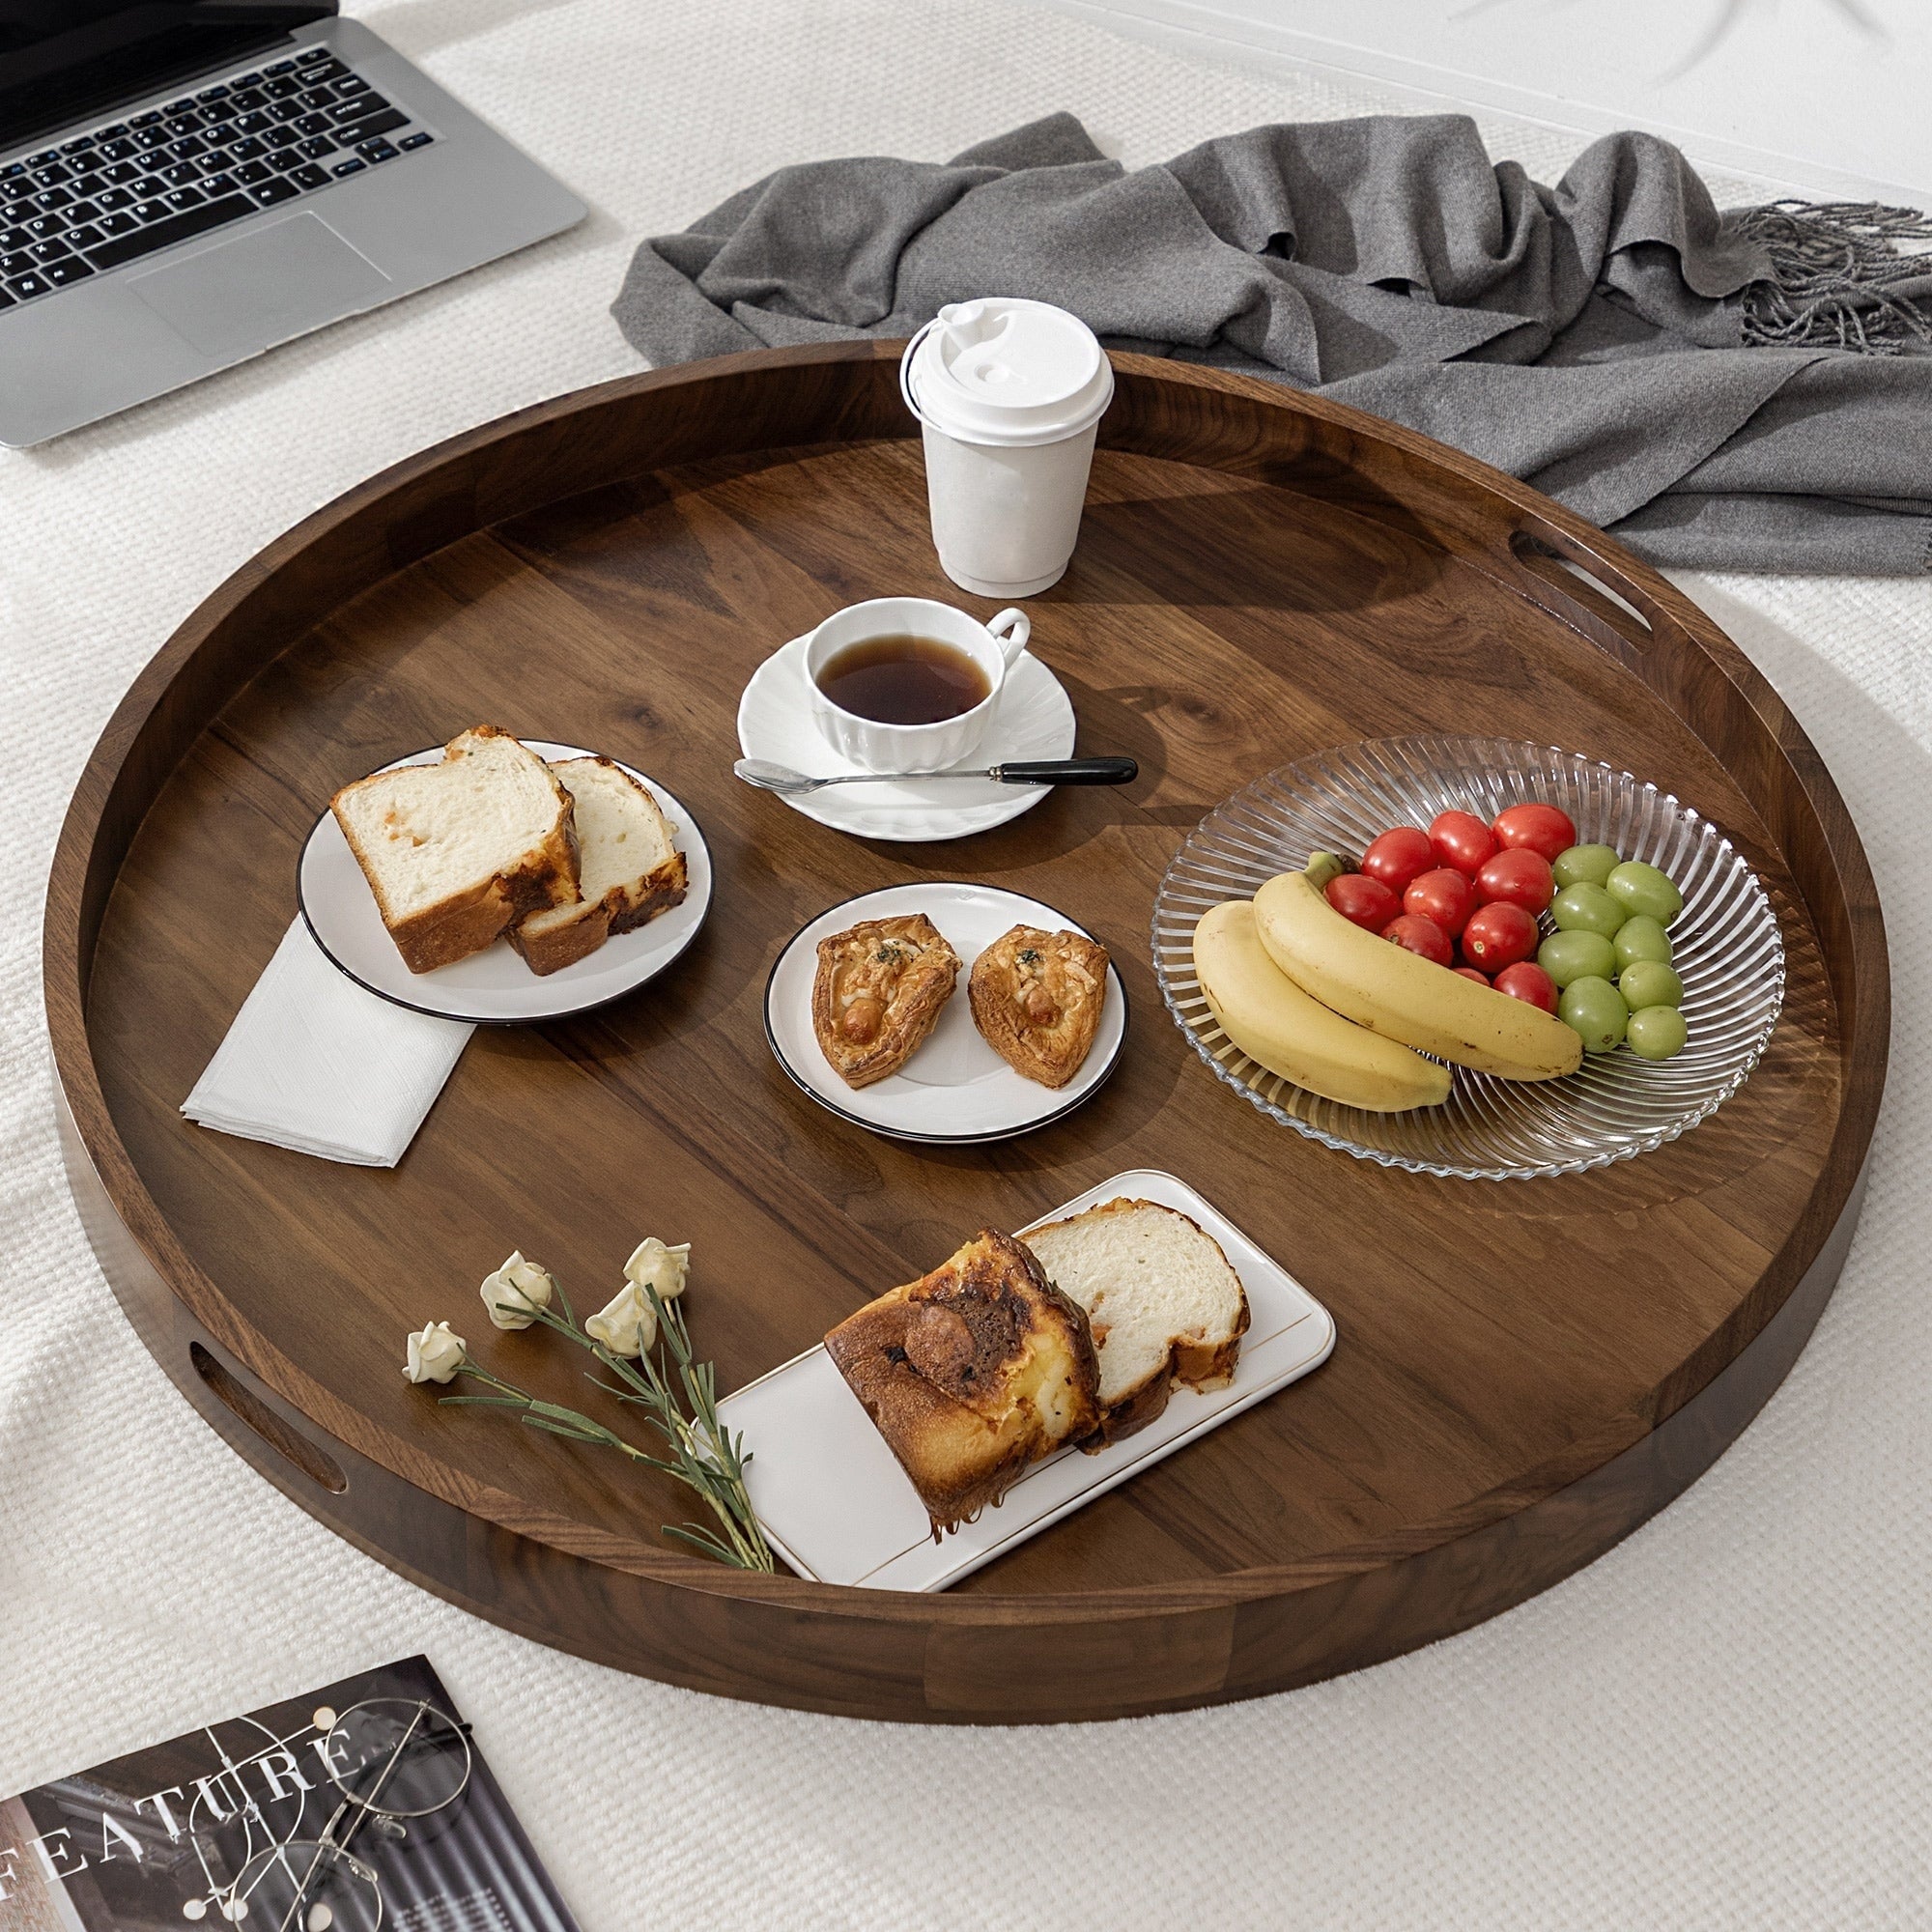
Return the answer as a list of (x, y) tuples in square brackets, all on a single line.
[(1727, 944), (1035, 719), (492, 987), (955, 1089)]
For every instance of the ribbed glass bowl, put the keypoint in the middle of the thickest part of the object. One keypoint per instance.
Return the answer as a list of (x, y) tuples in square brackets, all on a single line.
[(1726, 946)]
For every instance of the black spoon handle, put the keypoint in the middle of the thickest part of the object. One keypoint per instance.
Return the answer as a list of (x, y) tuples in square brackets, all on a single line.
[(1068, 772)]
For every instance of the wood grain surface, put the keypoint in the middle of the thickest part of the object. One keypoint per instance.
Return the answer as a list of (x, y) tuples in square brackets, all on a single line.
[(1525, 1371)]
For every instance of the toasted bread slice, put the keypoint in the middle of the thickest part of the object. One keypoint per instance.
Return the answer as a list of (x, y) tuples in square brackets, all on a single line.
[(971, 1373), (628, 871), (1164, 1302), (877, 994), (457, 852), (1036, 997)]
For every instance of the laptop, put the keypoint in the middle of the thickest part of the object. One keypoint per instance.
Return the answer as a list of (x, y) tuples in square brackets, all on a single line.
[(184, 184)]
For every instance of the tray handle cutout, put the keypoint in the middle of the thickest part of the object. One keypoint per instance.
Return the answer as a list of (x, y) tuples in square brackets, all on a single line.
[(248, 1407), (1595, 596)]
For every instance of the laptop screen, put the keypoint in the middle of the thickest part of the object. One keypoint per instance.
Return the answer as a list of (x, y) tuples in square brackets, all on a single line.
[(65, 61)]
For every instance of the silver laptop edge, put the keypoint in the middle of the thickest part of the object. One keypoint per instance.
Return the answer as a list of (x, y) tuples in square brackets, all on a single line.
[(169, 318)]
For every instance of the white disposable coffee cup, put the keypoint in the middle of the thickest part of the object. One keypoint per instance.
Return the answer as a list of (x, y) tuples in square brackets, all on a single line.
[(1010, 393)]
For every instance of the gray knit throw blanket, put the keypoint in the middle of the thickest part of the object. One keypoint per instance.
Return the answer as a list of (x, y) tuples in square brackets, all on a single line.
[(1750, 390)]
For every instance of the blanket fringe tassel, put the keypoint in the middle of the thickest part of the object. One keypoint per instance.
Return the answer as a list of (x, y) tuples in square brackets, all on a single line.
[(1839, 277)]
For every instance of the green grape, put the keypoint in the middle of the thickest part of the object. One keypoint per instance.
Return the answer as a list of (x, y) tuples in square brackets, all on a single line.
[(1596, 1010), (1640, 887), (1644, 982), (1587, 908), (1657, 1033), (1584, 864), (1641, 937), (1576, 955)]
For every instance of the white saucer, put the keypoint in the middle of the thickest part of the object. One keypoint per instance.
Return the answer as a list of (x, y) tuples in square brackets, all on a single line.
[(1035, 719), (955, 1089), (492, 987)]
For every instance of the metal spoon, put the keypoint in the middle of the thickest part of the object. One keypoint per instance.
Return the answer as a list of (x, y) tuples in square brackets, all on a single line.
[(768, 776)]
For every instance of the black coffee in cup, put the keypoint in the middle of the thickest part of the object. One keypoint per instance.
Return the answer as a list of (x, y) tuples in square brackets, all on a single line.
[(903, 679)]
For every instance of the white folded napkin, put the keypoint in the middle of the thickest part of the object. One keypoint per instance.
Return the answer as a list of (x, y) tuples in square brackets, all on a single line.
[(315, 1064)]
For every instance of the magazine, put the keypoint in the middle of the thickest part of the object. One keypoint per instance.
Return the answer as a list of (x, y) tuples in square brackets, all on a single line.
[(360, 1806)]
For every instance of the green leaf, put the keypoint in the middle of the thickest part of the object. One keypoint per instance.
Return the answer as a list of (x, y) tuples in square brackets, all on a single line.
[(564, 1429)]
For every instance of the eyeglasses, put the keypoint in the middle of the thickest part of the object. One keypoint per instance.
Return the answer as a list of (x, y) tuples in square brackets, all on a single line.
[(390, 1763)]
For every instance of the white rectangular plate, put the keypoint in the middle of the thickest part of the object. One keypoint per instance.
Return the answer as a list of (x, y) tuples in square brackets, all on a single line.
[(837, 1506)]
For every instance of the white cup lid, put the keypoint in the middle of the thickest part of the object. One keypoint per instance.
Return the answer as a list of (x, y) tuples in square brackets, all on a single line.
[(1005, 370)]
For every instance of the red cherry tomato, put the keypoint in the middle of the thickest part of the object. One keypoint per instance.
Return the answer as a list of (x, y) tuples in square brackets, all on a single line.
[(1460, 839), (1520, 875), (1541, 829), (1362, 900), (1526, 980), (1445, 896), (1471, 973), (1396, 856), (1420, 935), (1498, 935)]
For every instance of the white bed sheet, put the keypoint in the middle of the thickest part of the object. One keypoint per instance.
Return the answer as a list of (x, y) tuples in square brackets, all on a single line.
[(1724, 1722)]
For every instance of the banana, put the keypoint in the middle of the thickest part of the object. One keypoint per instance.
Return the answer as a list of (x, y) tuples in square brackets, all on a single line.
[(1400, 995), (1273, 1021)]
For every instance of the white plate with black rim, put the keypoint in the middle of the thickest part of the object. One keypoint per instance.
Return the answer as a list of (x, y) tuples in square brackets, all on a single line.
[(494, 987), (955, 1089)]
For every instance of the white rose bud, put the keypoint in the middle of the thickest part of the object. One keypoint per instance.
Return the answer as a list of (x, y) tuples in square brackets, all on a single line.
[(516, 1291), (434, 1355), (628, 1325), (656, 1265)]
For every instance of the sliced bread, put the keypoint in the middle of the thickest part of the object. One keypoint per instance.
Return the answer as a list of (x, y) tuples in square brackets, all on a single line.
[(628, 871), (1164, 1303), (972, 1374), (457, 852)]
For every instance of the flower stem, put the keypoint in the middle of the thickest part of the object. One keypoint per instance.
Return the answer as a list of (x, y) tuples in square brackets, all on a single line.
[(703, 1454)]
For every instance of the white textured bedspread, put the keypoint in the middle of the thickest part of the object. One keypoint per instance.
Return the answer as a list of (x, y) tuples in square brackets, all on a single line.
[(1727, 1721)]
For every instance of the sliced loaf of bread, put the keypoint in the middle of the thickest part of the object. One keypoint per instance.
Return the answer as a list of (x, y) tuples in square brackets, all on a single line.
[(972, 1374), (628, 871), (457, 852), (1164, 1303)]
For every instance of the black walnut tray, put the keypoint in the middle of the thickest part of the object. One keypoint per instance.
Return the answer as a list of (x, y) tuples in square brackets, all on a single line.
[(1525, 1371)]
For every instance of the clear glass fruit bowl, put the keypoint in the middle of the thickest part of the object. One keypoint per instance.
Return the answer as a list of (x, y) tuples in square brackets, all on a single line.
[(1727, 944)]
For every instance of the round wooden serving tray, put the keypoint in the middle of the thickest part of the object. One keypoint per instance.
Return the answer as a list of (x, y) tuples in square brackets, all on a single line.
[(1525, 1369)]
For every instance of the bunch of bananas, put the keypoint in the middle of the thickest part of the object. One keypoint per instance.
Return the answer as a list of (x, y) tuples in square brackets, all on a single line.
[(1341, 1012)]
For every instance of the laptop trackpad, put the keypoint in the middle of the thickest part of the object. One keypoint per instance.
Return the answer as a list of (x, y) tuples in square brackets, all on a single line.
[(263, 288)]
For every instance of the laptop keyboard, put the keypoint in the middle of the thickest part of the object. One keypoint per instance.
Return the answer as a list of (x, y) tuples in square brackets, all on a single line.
[(253, 140)]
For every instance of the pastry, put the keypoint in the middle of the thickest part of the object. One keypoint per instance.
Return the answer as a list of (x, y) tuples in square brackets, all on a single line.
[(878, 992), (1036, 997)]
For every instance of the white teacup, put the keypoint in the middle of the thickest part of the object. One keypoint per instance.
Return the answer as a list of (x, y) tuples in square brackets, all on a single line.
[(995, 646)]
